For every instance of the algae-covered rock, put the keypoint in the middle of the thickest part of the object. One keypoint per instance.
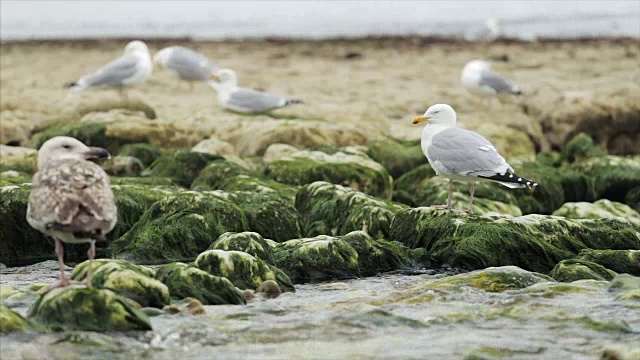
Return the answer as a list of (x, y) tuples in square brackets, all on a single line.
[(10, 321), (214, 147), (620, 261), (250, 242), (17, 158), (349, 168), (243, 270), (81, 308), (376, 256), (92, 134), (146, 153), (579, 148), (576, 269), (398, 158), (598, 210), (132, 281), (328, 209), (626, 287), (179, 227), (277, 151), (11, 177), (181, 166), (532, 242), (493, 279), (123, 166), (188, 281), (612, 176), (316, 259)]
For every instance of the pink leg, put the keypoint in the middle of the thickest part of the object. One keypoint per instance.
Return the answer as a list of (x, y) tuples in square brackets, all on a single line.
[(472, 189), (92, 254), (63, 278), (448, 206)]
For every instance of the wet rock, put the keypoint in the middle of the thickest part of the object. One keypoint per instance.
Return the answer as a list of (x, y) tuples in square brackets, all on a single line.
[(598, 210), (243, 270), (612, 176), (132, 281), (248, 295), (398, 158), (348, 168), (249, 242), (123, 165), (214, 147), (268, 215), (278, 151), (269, 289), (181, 166), (333, 286), (620, 261), (494, 279), (581, 147), (576, 269), (317, 259), (151, 312), (375, 256), (194, 307), (146, 153), (81, 308), (328, 209), (532, 242), (179, 227), (188, 281), (10, 321), (18, 158), (626, 287)]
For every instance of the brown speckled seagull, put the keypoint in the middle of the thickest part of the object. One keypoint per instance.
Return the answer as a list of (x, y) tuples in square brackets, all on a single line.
[(71, 198)]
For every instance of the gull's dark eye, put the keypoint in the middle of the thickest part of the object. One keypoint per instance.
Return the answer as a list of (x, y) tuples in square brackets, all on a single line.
[(66, 146)]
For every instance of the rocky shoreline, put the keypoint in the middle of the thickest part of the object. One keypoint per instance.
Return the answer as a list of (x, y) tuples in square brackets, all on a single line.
[(273, 236)]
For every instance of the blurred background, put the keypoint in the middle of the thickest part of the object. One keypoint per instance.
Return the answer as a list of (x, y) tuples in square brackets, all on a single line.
[(216, 20)]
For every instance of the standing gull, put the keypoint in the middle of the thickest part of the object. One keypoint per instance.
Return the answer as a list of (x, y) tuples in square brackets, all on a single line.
[(463, 155), (478, 78), (185, 63), (71, 198), (243, 100), (133, 67)]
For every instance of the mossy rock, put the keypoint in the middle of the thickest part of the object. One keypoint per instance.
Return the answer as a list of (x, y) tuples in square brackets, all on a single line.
[(577, 269), (243, 270), (351, 168), (188, 281), (11, 321), (579, 148), (157, 183), (24, 163), (146, 153), (268, 215), (532, 242), (218, 175), (250, 242), (121, 165), (493, 279), (397, 157), (129, 280), (317, 259), (620, 261), (179, 227), (11, 177), (600, 209), (328, 209), (612, 176), (376, 256), (626, 287), (90, 309), (182, 166)]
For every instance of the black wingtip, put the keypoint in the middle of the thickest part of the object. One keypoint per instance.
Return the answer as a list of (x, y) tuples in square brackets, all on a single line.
[(294, 102), (511, 178), (70, 84)]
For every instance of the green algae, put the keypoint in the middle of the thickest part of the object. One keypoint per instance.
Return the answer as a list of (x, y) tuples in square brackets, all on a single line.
[(249, 242), (575, 269), (599, 209), (144, 152), (398, 158), (268, 215), (182, 166), (10, 321), (579, 148), (620, 261)]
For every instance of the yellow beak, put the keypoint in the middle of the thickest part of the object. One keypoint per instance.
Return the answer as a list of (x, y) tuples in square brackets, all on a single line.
[(419, 119), (213, 77)]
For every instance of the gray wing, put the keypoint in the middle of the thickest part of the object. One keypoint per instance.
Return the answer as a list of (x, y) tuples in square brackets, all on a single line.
[(189, 64), (498, 84), (72, 196), (255, 101), (113, 73), (464, 152)]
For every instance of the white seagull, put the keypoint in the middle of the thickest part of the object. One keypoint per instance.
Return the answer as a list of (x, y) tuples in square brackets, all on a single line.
[(463, 155), (71, 198), (478, 78), (243, 100), (185, 63), (133, 67)]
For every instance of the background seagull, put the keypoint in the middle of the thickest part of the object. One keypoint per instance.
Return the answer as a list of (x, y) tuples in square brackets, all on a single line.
[(133, 67), (71, 198), (242, 100), (463, 155), (185, 63), (478, 78)]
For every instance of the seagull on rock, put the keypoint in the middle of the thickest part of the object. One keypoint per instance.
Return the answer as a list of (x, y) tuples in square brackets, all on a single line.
[(242, 100), (463, 155), (71, 198), (186, 64), (133, 67)]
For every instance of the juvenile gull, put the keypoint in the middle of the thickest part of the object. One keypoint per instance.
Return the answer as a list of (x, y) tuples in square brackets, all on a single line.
[(71, 198), (478, 78), (133, 67), (242, 100), (185, 63), (463, 155)]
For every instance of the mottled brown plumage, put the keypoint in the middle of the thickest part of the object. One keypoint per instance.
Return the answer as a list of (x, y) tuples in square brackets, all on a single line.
[(71, 198)]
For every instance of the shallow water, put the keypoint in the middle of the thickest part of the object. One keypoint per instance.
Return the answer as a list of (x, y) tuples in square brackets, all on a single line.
[(315, 19), (364, 319)]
